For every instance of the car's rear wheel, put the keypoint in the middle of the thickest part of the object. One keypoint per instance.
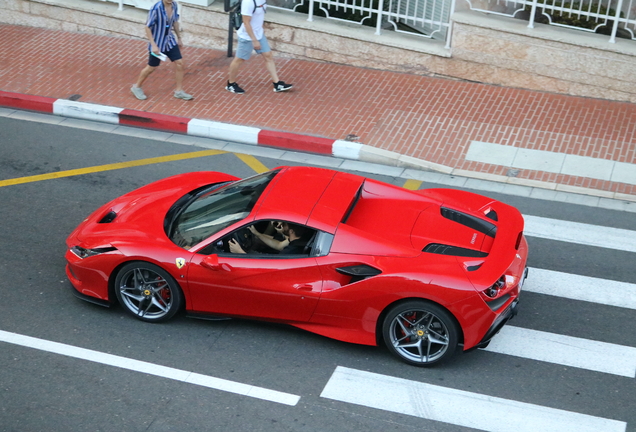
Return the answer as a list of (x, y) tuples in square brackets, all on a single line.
[(148, 292), (420, 333)]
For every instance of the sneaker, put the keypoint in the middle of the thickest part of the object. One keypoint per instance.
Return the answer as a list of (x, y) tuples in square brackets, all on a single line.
[(234, 88), (280, 86), (138, 92), (183, 95)]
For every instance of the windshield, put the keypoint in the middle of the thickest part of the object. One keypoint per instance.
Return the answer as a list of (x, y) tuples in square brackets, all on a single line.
[(211, 211)]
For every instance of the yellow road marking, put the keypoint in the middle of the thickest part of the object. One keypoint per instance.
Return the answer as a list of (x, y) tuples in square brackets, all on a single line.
[(109, 167), (412, 184), (252, 162)]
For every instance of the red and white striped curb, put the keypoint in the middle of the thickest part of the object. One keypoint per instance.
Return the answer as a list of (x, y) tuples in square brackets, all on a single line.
[(215, 130)]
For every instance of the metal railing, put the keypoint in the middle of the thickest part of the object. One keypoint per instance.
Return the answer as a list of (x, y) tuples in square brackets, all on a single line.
[(616, 18), (426, 18)]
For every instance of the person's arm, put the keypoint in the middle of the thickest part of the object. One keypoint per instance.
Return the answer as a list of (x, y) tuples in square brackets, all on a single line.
[(270, 241), (177, 31), (247, 22), (235, 247), (153, 45)]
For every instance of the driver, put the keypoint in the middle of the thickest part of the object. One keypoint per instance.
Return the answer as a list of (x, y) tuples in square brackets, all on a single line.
[(292, 245)]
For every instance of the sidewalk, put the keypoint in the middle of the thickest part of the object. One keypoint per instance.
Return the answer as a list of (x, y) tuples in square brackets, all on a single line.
[(467, 127)]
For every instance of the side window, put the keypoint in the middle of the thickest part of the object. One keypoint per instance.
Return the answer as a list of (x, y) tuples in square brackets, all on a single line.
[(268, 239)]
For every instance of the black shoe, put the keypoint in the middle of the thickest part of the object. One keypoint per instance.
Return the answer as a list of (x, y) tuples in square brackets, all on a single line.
[(234, 88), (280, 86)]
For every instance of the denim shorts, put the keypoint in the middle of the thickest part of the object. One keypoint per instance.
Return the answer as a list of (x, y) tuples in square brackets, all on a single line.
[(173, 54), (245, 47)]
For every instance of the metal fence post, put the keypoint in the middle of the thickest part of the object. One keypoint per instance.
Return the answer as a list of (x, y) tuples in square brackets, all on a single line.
[(378, 26), (449, 34), (311, 11), (616, 18), (533, 12)]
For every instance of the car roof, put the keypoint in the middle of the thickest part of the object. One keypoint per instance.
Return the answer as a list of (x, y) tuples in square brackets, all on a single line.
[(317, 197)]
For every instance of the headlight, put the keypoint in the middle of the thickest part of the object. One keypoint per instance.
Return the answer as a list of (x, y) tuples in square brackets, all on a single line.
[(85, 253)]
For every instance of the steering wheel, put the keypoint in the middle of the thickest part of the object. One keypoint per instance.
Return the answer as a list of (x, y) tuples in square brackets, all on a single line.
[(244, 238)]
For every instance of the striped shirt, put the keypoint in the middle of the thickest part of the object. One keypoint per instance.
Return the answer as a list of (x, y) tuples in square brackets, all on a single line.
[(161, 26)]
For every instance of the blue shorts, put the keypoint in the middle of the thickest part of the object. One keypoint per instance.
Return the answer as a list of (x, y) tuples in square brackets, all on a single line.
[(173, 54), (245, 47)]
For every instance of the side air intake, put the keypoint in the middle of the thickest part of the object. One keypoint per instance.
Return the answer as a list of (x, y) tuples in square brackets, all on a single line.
[(359, 272), (442, 249)]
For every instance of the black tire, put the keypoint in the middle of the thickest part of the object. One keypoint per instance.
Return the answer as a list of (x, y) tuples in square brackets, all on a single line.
[(420, 333), (148, 292)]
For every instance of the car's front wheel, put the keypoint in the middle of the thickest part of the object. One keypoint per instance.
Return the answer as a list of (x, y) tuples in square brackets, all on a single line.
[(148, 292), (420, 333)]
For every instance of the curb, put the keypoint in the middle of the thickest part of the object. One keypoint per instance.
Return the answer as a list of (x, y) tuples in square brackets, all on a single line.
[(215, 130), (266, 138)]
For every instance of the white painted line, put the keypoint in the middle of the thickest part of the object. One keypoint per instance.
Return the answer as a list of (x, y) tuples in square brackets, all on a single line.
[(565, 350), (539, 160), (150, 368), (574, 232), (624, 173), (86, 111), (560, 163), (457, 407), (346, 149), (223, 131), (491, 153), (584, 288), (583, 166)]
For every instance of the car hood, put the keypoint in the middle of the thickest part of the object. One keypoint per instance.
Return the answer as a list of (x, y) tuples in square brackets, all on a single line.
[(139, 215)]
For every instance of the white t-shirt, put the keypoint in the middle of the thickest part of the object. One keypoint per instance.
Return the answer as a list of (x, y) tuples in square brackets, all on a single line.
[(258, 18)]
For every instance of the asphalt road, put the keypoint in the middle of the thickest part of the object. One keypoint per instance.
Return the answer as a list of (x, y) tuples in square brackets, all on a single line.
[(42, 391)]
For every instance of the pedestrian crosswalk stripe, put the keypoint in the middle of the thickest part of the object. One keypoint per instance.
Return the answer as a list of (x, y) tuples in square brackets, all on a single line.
[(585, 234), (150, 368), (457, 407), (565, 350), (584, 288)]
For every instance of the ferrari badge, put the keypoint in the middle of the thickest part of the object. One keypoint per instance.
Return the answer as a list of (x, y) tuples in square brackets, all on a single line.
[(180, 262)]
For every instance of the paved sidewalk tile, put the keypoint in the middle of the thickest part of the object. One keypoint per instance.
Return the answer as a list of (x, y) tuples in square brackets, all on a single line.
[(433, 119)]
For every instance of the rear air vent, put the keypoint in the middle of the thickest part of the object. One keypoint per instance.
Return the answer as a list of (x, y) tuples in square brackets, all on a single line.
[(473, 222), (492, 215), (442, 249), (108, 217)]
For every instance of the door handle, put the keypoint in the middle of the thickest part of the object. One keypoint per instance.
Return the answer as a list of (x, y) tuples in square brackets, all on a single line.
[(304, 287)]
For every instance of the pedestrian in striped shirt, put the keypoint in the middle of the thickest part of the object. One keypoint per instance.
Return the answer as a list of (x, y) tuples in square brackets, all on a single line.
[(161, 28)]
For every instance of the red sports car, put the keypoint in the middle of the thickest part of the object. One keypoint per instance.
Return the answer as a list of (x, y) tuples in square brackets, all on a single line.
[(336, 254)]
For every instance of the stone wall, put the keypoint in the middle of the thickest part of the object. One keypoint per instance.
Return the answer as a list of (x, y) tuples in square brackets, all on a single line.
[(486, 49)]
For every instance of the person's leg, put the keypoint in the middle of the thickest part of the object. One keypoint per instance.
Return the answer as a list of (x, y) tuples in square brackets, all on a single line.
[(234, 69), (270, 65), (145, 73), (136, 88), (179, 69)]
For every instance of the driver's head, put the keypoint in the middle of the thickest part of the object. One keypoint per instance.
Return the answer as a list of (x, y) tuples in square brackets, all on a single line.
[(293, 231)]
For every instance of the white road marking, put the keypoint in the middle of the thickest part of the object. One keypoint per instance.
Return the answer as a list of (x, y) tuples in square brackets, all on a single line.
[(150, 368), (565, 350), (554, 162), (457, 407), (584, 288), (585, 234)]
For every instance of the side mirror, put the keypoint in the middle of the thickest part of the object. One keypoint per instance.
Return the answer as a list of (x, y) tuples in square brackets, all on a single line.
[(211, 262)]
